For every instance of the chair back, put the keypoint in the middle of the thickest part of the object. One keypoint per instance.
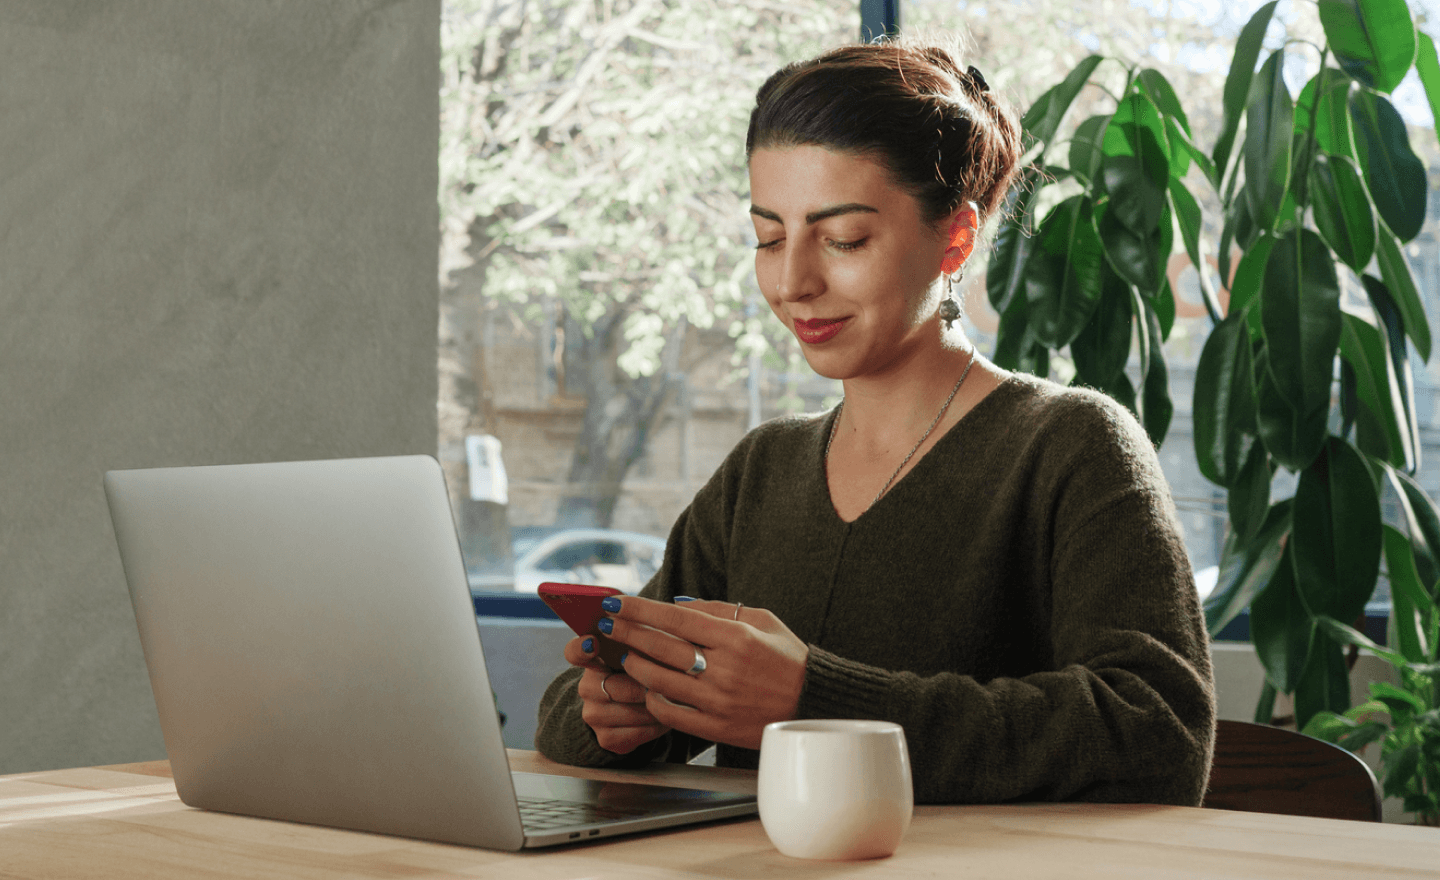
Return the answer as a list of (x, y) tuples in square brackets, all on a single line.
[(1263, 769)]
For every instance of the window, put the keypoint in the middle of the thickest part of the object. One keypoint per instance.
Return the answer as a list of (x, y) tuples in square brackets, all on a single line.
[(599, 316)]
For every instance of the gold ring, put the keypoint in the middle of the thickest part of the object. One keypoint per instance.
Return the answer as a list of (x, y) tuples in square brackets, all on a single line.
[(602, 686), (738, 606)]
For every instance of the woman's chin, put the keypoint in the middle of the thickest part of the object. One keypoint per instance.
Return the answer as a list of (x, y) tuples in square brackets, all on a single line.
[(828, 367)]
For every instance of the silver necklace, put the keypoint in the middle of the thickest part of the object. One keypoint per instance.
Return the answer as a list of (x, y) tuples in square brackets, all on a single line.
[(944, 408)]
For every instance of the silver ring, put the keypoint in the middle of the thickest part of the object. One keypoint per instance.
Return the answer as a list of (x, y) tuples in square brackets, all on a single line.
[(602, 686), (738, 606), (698, 666)]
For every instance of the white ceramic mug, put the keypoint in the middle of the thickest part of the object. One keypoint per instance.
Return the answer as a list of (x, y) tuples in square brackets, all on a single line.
[(835, 789)]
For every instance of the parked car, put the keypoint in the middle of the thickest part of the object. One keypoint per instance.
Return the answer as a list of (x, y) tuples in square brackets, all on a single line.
[(608, 557)]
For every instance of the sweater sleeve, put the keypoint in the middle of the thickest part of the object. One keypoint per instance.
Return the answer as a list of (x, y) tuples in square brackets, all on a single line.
[(693, 566), (1123, 709)]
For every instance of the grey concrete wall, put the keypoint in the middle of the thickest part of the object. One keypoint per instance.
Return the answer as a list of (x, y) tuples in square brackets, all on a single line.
[(217, 244)]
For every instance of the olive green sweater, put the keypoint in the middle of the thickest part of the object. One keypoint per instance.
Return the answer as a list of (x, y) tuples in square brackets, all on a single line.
[(1021, 602)]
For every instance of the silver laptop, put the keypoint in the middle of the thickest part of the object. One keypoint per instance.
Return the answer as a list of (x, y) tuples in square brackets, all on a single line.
[(315, 657)]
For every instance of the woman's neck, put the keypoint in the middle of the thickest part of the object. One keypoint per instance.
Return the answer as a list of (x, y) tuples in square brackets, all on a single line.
[(883, 412)]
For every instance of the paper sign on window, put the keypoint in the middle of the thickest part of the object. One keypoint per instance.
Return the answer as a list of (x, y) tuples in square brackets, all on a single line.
[(487, 469)]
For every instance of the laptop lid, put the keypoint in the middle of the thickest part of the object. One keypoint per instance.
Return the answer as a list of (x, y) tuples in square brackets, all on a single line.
[(313, 650)]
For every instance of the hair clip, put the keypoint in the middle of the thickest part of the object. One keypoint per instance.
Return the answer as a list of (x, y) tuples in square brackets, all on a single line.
[(977, 79)]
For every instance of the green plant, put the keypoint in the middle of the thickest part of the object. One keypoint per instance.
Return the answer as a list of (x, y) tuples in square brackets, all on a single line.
[(1316, 193), (1410, 739)]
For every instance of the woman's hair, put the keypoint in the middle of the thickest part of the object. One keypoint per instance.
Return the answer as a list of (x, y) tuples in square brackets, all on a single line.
[(905, 103)]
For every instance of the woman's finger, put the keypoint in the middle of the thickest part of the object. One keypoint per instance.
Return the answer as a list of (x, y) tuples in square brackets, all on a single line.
[(624, 740), (613, 705), (687, 624), (681, 687), (610, 687), (730, 611), (657, 645), (581, 651)]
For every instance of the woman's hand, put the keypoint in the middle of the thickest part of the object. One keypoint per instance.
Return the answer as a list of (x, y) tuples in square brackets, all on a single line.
[(754, 665), (612, 703)]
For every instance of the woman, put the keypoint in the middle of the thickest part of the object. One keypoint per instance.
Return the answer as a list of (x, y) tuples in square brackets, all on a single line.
[(988, 559)]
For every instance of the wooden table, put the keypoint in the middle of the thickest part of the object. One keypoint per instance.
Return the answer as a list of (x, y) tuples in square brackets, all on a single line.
[(125, 821)]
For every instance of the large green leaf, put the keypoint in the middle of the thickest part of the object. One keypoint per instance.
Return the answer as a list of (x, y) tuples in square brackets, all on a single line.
[(1349, 399), (1410, 603), (1156, 407), (1085, 147), (1281, 628), (1163, 300), (1394, 174), (1395, 272), (1247, 231), (1365, 348), (1137, 192), (1182, 146), (1332, 121), (1013, 338), (1348, 635), (1427, 64), (1102, 348), (1422, 519), (1246, 566), (1005, 273), (1392, 324), (1373, 40), (1188, 218), (1300, 314), (1248, 500), (1016, 347), (1224, 402), (1180, 150), (1342, 210), (1062, 275), (1293, 437), (1269, 130), (1336, 538), (1222, 256), (1137, 163), (1043, 118), (1139, 258), (1345, 732), (1158, 88), (1237, 82), (1249, 278), (1324, 686), (1402, 766)]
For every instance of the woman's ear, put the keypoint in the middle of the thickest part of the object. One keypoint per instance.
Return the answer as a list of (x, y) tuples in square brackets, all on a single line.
[(964, 226)]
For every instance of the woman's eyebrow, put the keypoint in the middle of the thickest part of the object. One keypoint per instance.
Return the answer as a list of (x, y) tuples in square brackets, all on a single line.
[(816, 216)]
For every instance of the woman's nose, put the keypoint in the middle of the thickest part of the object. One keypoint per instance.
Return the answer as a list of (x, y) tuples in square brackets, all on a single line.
[(800, 277)]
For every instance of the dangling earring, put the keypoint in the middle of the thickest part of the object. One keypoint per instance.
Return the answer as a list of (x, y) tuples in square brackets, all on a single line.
[(950, 306)]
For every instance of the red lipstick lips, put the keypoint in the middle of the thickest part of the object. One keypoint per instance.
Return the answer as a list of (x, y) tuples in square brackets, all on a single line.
[(818, 330)]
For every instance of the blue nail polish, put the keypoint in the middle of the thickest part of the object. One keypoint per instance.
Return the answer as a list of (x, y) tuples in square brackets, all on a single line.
[(624, 657), (588, 645), (605, 625), (610, 603), (683, 599)]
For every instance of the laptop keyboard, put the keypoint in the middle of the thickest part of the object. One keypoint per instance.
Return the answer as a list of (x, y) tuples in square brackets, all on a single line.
[(542, 814)]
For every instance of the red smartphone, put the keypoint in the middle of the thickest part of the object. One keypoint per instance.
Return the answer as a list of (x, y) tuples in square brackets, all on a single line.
[(579, 606)]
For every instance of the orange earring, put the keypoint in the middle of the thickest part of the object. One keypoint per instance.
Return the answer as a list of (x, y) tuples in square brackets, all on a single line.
[(962, 239)]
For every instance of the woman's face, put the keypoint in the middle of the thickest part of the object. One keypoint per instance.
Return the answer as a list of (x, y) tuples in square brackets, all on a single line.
[(844, 259)]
